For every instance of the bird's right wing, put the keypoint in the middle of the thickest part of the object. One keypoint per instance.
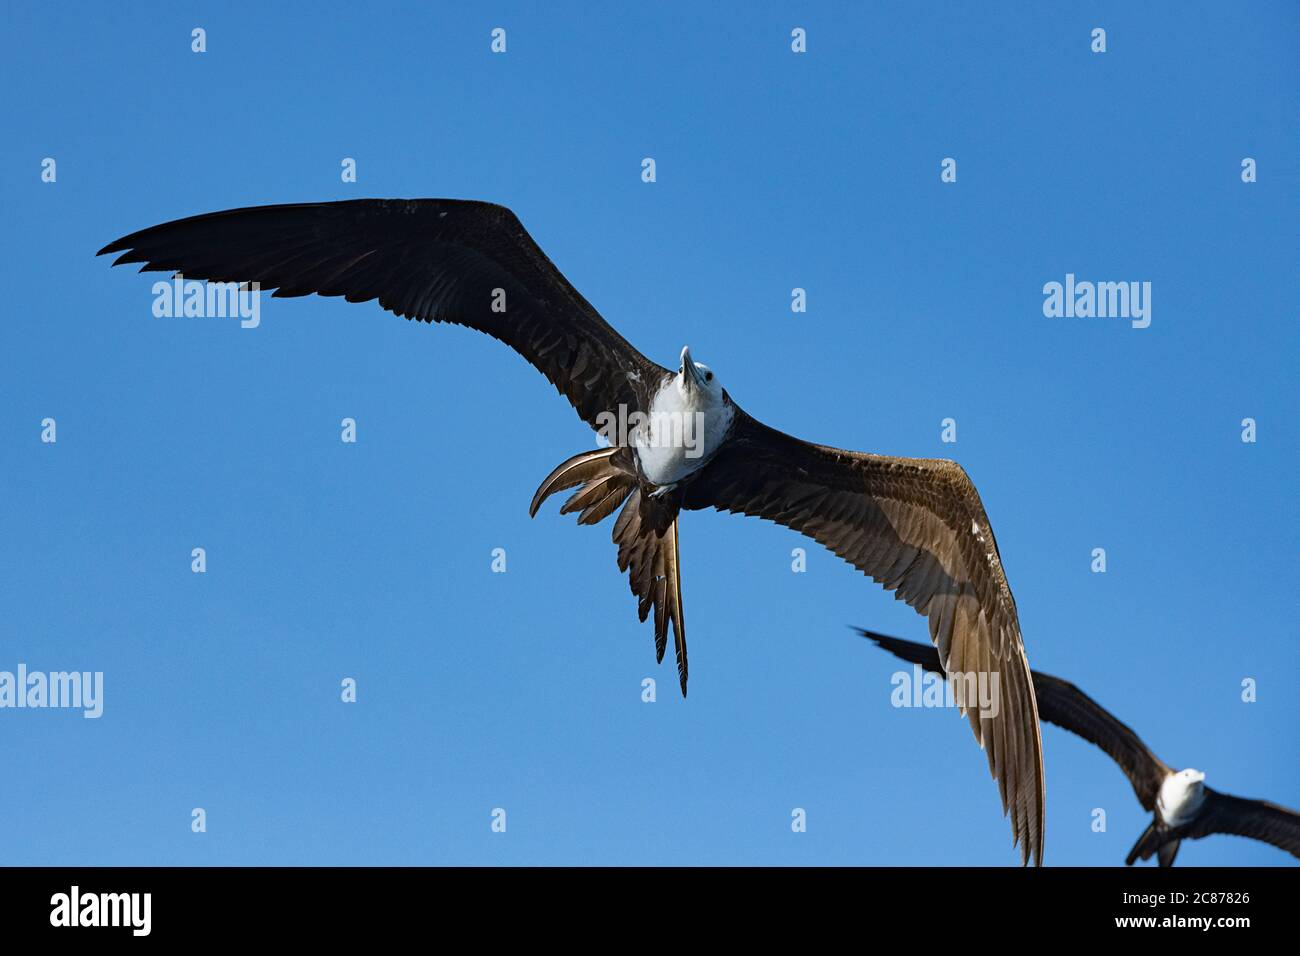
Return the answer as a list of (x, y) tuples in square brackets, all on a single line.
[(1241, 816), (1063, 704), (436, 260), (917, 527)]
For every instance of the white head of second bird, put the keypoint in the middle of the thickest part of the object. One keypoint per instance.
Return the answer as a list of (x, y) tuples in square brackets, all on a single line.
[(1181, 796)]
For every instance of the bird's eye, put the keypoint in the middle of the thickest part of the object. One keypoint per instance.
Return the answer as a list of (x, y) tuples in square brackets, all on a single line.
[(708, 376)]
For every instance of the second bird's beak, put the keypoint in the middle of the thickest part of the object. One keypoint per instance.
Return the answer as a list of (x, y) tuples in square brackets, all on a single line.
[(690, 375)]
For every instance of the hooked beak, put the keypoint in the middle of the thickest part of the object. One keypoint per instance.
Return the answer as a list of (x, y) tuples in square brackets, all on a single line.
[(690, 374)]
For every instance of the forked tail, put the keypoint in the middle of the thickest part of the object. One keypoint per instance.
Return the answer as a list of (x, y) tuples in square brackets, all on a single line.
[(645, 532), (1153, 841)]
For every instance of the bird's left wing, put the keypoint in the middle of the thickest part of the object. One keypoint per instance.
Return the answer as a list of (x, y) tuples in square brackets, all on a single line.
[(916, 526), (436, 260), (1241, 816)]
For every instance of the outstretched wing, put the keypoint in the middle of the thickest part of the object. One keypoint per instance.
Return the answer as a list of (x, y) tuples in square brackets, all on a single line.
[(436, 260), (1241, 816), (916, 526), (1063, 704)]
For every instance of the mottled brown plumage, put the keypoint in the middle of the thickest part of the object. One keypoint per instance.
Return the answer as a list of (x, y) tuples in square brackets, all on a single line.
[(914, 525)]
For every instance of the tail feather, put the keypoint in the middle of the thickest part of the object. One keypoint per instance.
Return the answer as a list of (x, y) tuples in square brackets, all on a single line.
[(673, 594), (593, 498), (625, 520), (1147, 844), (1168, 851), (659, 597), (645, 532), (615, 493), (574, 471)]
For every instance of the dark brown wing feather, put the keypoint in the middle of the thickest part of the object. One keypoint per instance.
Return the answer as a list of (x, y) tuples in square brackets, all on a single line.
[(1241, 816), (1063, 704), (436, 260), (916, 526)]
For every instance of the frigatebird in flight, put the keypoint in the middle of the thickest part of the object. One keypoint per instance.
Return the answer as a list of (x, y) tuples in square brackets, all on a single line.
[(1182, 807), (914, 525)]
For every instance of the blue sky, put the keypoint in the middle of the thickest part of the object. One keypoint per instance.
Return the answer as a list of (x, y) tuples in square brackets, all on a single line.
[(774, 170)]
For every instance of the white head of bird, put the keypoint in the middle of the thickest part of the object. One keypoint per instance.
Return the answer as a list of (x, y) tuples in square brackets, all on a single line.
[(697, 383), (688, 422), (1181, 795)]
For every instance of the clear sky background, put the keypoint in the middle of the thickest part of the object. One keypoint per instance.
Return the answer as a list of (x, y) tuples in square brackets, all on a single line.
[(523, 690)]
